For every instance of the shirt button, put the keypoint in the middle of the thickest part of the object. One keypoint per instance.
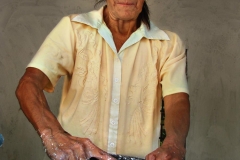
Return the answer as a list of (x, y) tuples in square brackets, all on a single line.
[(112, 144), (112, 122), (116, 101), (116, 80)]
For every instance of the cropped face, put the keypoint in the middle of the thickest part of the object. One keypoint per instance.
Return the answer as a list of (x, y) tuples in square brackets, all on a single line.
[(125, 9)]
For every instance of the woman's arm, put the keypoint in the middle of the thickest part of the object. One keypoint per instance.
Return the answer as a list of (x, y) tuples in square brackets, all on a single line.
[(33, 102), (58, 143), (177, 121)]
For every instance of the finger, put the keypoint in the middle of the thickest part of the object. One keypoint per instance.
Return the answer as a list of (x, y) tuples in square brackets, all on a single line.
[(96, 152), (104, 156), (58, 155), (91, 150), (79, 152), (80, 156), (69, 154), (150, 157), (100, 154), (166, 156)]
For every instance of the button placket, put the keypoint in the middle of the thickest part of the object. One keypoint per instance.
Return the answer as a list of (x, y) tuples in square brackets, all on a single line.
[(114, 108)]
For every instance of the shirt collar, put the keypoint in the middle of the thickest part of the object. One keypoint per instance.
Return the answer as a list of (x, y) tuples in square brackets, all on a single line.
[(95, 20)]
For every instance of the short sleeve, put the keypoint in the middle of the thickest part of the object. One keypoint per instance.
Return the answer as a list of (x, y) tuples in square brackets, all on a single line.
[(173, 66), (55, 56)]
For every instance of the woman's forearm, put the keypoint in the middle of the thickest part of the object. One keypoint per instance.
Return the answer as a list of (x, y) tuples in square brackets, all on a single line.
[(177, 117), (33, 102)]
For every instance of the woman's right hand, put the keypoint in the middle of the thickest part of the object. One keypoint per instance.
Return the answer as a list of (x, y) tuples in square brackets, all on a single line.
[(63, 146), (59, 144)]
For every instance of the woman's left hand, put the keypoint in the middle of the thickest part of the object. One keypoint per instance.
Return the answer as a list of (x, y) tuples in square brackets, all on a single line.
[(168, 151)]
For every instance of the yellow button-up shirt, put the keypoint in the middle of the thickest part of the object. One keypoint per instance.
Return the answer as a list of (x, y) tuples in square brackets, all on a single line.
[(111, 97)]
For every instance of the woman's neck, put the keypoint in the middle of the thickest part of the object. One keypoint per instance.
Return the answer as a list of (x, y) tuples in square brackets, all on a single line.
[(120, 29)]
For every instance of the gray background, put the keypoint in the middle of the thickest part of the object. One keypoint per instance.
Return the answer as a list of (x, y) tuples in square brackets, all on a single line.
[(209, 28)]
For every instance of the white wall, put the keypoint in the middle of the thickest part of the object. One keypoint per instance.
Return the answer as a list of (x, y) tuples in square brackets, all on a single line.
[(211, 32)]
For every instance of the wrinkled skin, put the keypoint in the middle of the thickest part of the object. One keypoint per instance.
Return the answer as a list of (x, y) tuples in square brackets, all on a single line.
[(121, 18), (177, 120), (62, 146), (124, 10), (167, 151)]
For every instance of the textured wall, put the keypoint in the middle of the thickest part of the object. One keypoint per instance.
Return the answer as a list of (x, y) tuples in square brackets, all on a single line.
[(210, 29)]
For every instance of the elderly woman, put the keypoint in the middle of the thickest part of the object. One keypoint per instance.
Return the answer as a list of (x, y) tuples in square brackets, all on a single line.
[(117, 66)]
